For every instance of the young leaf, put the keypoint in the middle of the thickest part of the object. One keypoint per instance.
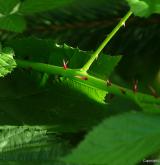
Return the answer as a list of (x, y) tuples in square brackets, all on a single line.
[(30, 6), (7, 62), (144, 8), (124, 139)]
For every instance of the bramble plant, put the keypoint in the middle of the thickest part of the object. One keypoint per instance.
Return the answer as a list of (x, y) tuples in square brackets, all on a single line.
[(61, 105)]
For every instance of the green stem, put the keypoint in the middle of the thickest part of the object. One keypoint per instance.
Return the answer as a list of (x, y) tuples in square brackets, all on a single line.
[(104, 43), (91, 81), (49, 69)]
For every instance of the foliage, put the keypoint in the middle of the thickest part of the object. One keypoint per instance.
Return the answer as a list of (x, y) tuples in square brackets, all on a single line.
[(30, 143), (7, 63), (117, 135), (29, 6), (62, 105), (12, 12), (144, 8)]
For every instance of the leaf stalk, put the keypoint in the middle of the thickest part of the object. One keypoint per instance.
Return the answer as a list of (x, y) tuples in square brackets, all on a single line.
[(95, 55)]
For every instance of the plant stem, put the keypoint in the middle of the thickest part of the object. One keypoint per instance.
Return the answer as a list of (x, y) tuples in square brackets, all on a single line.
[(91, 81), (104, 43), (49, 69)]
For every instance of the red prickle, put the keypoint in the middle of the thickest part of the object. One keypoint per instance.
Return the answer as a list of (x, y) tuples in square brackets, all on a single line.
[(65, 65), (135, 86)]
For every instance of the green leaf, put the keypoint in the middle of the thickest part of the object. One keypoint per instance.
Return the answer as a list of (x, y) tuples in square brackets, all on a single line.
[(104, 66), (21, 101), (30, 143), (7, 62), (149, 107), (30, 6), (9, 20), (15, 23), (92, 92), (47, 50), (123, 139), (144, 8), (8, 6), (56, 102)]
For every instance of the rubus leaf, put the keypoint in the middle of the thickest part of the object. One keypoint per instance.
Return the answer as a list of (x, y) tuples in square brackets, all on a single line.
[(123, 139), (21, 101), (7, 62), (15, 23), (148, 107), (30, 143), (104, 66), (144, 8), (92, 92), (30, 6), (55, 102), (47, 50)]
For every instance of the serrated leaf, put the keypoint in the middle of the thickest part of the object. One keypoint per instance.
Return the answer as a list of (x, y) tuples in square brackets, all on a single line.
[(15, 23), (144, 8), (30, 143), (7, 62), (47, 50), (21, 101), (125, 139), (92, 92), (57, 104), (30, 6)]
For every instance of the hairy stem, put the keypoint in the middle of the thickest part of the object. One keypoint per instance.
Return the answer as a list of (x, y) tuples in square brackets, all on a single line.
[(104, 43), (91, 80)]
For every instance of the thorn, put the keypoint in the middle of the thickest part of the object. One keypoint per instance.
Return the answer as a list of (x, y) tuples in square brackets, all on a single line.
[(135, 86), (109, 83), (82, 77), (153, 91), (65, 64)]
